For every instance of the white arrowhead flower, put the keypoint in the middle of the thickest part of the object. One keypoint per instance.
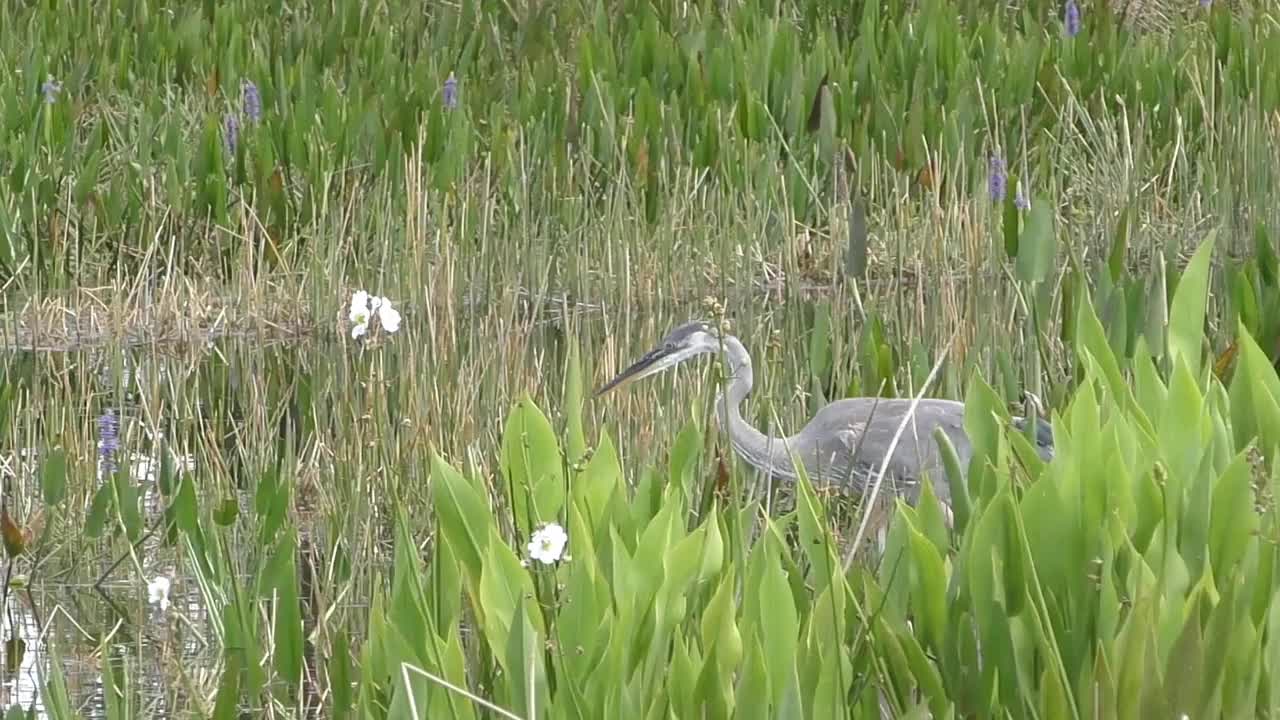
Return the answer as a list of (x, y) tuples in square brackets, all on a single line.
[(548, 543)]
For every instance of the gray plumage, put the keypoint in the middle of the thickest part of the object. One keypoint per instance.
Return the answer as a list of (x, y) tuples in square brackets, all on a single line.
[(845, 443)]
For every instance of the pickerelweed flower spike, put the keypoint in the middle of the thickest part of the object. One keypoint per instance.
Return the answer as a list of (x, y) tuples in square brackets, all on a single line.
[(451, 92), (1020, 198), (252, 101), (51, 88), (997, 180), (1071, 18), (108, 441), (231, 132)]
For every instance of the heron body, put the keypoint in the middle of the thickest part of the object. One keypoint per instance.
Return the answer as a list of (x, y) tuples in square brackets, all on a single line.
[(845, 444)]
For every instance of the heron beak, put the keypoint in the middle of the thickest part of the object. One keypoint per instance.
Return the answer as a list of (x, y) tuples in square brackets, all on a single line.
[(654, 361)]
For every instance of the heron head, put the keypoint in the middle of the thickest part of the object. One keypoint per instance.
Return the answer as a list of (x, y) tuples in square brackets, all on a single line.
[(682, 343)]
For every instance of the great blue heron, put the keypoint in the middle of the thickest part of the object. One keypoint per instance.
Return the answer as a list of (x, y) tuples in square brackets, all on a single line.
[(845, 443)]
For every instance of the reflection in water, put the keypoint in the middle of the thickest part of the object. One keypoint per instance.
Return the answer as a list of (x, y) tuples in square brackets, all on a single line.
[(107, 637), (21, 635)]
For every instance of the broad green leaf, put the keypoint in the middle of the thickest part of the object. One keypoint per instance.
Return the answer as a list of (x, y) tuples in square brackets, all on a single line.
[(1038, 244), (1184, 673), (596, 484), (683, 465), (929, 584), (753, 700), (1187, 314), (1233, 521), (53, 475), (533, 467), (464, 515), (279, 584), (780, 626), (503, 584), (526, 671), (99, 511)]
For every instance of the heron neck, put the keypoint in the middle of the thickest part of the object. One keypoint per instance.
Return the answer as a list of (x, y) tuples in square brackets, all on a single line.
[(766, 453)]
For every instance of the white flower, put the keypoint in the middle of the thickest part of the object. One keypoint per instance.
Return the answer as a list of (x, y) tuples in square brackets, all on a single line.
[(364, 306), (158, 592), (359, 307), (388, 316), (359, 313), (547, 545)]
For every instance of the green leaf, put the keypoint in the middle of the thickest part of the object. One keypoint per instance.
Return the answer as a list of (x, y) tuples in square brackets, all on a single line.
[(820, 345), (753, 690), (463, 513), (593, 488), (1233, 521), (126, 498), (53, 476), (99, 510), (1185, 671), (279, 583), (503, 583), (1157, 308), (961, 504), (1120, 244), (526, 671), (226, 702), (533, 466), (226, 512), (575, 437), (779, 624), (1010, 227), (1186, 321), (341, 676), (117, 695), (1038, 245), (683, 463), (929, 586)]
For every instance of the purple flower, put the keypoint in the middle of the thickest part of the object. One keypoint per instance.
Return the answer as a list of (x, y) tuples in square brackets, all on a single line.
[(1206, 3), (1020, 198), (108, 441), (1071, 18), (252, 101), (451, 92), (231, 132), (51, 88), (997, 180)]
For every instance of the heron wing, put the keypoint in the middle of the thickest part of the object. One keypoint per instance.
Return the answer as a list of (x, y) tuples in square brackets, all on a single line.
[(853, 437)]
